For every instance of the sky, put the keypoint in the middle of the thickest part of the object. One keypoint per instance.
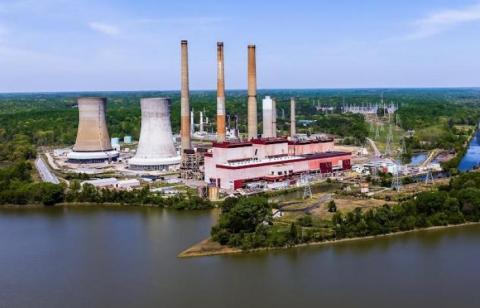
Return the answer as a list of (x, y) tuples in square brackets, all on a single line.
[(123, 45)]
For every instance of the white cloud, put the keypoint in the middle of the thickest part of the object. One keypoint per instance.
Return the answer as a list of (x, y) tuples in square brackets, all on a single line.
[(103, 28), (443, 20)]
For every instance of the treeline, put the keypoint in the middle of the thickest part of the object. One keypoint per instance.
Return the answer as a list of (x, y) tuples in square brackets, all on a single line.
[(352, 127), (18, 188), (87, 193), (247, 222)]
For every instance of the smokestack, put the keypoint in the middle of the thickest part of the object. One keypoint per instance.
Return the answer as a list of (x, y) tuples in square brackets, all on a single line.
[(293, 131), (252, 93), (192, 123), (267, 119), (274, 118), (185, 99), (201, 122), (220, 94)]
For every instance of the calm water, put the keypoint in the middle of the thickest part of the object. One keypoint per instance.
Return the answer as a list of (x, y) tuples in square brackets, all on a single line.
[(418, 158), (127, 258), (472, 157)]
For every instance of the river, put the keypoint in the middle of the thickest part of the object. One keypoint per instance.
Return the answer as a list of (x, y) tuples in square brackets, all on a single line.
[(472, 157), (126, 257)]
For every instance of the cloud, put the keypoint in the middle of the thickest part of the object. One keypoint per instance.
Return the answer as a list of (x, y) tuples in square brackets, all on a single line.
[(202, 21), (443, 20), (103, 28)]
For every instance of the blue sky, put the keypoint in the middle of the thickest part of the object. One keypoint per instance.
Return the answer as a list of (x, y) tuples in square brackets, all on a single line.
[(73, 45)]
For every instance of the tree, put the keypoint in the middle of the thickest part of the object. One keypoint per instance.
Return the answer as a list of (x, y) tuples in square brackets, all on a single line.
[(332, 207)]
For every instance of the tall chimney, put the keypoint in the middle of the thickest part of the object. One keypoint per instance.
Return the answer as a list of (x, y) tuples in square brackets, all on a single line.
[(252, 93), (293, 131), (185, 99), (274, 118), (201, 122), (220, 94)]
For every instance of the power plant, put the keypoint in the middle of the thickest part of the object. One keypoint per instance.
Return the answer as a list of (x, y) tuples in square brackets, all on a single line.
[(156, 150), (93, 142), (228, 162)]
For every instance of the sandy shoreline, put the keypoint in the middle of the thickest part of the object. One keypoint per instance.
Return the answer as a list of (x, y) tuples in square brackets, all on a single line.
[(209, 248)]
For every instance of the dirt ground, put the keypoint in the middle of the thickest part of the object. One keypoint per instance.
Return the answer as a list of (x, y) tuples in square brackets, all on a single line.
[(348, 204)]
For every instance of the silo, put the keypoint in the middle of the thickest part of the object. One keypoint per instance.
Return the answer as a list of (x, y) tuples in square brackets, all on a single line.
[(93, 142), (156, 150)]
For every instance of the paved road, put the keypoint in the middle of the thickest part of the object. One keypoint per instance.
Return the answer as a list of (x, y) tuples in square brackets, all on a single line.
[(45, 173)]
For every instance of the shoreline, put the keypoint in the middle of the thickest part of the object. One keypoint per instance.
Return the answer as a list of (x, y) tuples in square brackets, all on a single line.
[(200, 249)]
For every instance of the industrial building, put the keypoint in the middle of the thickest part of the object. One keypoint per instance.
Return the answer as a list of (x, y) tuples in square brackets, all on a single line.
[(231, 165), (156, 150), (93, 142)]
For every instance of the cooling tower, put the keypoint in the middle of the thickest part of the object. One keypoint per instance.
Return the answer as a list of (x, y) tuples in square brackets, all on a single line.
[(93, 142), (267, 117), (220, 94), (156, 150), (252, 93), (293, 130), (185, 99)]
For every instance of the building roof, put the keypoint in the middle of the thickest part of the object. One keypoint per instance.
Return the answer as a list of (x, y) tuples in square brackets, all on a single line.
[(279, 160)]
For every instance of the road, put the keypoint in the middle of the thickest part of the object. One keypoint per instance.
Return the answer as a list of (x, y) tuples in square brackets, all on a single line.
[(45, 173), (374, 147), (430, 157), (323, 199)]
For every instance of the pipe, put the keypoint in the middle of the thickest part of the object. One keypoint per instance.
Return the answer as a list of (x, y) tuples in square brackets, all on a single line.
[(252, 93), (220, 94), (185, 99)]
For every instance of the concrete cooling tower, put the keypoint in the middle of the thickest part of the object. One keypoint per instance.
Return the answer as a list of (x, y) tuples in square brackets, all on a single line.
[(93, 142), (156, 150)]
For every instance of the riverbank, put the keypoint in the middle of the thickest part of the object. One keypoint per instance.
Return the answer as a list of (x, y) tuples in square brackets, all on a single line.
[(208, 247)]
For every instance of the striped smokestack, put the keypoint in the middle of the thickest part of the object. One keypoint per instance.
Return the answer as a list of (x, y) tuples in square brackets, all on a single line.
[(185, 99), (220, 94), (293, 131), (252, 93)]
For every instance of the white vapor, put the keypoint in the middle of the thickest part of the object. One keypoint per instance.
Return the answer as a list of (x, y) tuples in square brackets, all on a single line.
[(444, 20), (104, 28)]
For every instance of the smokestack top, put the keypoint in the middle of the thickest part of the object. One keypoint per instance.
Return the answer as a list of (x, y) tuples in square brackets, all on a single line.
[(219, 44), (184, 42), (251, 46)]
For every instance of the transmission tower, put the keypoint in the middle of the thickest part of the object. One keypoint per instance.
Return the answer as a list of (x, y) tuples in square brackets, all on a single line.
[(307, 191), (388, 145), (403, 149), (396, 183), (429, 177)]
